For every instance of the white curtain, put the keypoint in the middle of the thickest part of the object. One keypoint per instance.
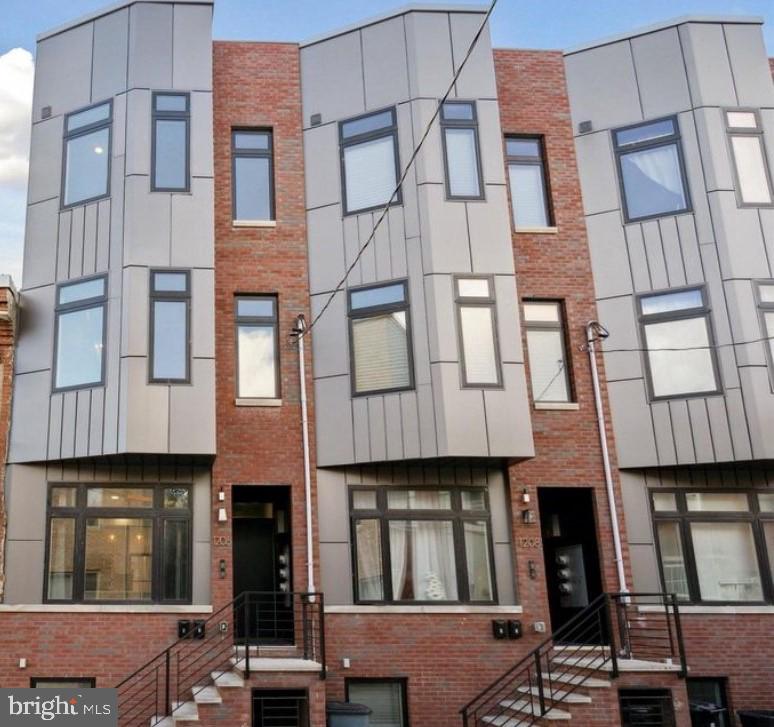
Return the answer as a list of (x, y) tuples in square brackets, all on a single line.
[(423, 563), (652, 181)]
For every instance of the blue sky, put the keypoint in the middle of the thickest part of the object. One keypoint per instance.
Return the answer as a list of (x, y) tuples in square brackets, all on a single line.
[(515, 23)]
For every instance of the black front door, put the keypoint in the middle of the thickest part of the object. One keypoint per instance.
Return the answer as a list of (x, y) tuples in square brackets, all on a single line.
[(261, 537), (569, 534)]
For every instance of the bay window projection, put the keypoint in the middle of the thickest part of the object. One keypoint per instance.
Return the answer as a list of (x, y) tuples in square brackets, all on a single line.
[(257, 339), (477, 326), (86, 156), (745, 136), (170, 303)]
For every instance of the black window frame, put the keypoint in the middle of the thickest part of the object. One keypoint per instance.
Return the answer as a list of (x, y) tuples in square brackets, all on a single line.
[(457, 515), (245, 152), (185, 116), (355, 140), (744, 131), (621, 150), (264, 321), (490, 302), (684, 517), (563, 329), (100, 301), (704, 311), (465, 124), (374, 311), (158, 296), (81, 512), (524, 160), (401, 681), (722, 684), (36, 682), (83, 131)]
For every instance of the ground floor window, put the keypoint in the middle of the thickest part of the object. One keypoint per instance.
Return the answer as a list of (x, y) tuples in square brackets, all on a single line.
[(707, 699), (63, 683), (646, 708), (280, 708), (119, 544), (716, 547), (385, 697)]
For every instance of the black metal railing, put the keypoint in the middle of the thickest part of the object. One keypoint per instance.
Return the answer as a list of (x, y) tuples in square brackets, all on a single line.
[(254, 625), (613, 626)]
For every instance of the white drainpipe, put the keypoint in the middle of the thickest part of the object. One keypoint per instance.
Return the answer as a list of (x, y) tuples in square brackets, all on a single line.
[(595, 331)]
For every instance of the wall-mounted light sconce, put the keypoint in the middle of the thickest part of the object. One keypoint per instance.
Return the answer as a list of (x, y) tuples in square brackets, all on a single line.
[(222, 516), (525, 496), (221, 495), (528, 517)]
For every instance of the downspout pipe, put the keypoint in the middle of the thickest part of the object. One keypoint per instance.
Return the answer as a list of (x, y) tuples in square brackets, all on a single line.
[(596, 332)]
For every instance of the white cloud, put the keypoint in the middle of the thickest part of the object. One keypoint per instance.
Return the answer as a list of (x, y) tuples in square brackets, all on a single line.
[(16, 74)]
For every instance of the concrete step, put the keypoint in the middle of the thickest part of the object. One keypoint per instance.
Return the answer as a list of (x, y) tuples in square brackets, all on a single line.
[(503, 720), (261, 664), (532, 707), (227, 679), (581, 662), (185, 711), (559, 695), (594, 663), (206, 695), (568, 678)]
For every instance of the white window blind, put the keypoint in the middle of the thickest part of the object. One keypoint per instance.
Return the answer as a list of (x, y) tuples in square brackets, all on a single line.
[(751, 169), (478, 345), (369, 170), (547, 365), (385, 700), (462, 162), (528, 195), (380, 351)]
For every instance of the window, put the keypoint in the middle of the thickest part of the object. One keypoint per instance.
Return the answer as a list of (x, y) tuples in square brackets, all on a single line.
[(119, 544), (257, 339), (67, 683), (422, 545), (380, 338), (650, 165), (643, 707), (86, 174), (385, 697), (712, 545), (745, 137), (527, 179), (369, 161), (460, 147), (79, 354), (708, 703), (252, 155), (677, 336), (765, 292), (171, 141), (546, 346), (477, 325), (170, 305)]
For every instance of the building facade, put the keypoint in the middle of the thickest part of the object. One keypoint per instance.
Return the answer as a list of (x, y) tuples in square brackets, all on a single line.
[(303, 395)]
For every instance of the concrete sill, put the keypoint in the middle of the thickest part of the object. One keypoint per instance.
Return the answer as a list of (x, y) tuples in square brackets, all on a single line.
[(382, 610), (714, 610), (537, 230), (254, 223), (96, 608), (258, 402), (557, 405)]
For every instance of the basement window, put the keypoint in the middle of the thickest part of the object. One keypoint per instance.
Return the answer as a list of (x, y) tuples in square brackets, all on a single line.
[(385, 697)]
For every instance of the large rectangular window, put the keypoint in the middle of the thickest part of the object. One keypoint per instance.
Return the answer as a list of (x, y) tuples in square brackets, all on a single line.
[(745, 137), (714, 546), (477, 326), (461, 153), (547, 350), (119, 544), (369, 161), (170, 304), (86, 158), (385, 697), (171, 142), (380, 338), (422, 545), (651, 169), (678, 342), (528, 182), (252, 175), (80, 334), (257, 340)]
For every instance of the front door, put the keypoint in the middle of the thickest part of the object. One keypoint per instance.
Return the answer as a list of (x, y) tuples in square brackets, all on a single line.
[(261, 537)]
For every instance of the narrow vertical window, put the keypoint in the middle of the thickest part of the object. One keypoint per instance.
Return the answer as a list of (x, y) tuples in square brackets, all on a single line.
[(257, 340), (169, 326), (766, 311), (745, 135), (80, 334), (477, 325), (86, 175), (461, 150), (252, 175), (527, 179), (546, 346), (171, 142)]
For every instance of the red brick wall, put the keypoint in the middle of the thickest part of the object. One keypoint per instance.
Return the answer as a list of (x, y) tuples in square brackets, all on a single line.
[(7, 303)]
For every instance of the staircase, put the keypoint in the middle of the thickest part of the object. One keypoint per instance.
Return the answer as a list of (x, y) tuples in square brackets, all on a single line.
[(255, 633), (617, 632)]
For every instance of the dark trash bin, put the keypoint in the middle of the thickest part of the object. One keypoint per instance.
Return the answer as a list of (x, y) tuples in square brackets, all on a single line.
[(346, 714), (707, 714), (757, 718)]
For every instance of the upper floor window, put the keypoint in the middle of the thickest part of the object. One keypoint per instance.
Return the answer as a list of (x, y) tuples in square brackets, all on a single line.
[(252, 191), (257, 338), (369, 161), (380, 338), (118, 544), (422, 545), (546, 345), (753, 182), (86, 155), (650, 163), (527, 179), (766, 307), (171, 135), (680, 350), (79, 353), (477, 325), (460, 145), (170, 303)]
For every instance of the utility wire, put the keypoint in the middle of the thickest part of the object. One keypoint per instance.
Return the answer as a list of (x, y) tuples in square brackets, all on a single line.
[(403, 176), (706, 347)]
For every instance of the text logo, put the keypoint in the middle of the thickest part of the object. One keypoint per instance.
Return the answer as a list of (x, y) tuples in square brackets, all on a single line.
[(58, 706)]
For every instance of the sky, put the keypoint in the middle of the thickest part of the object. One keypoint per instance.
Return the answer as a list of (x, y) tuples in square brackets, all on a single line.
[(515, 23)]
